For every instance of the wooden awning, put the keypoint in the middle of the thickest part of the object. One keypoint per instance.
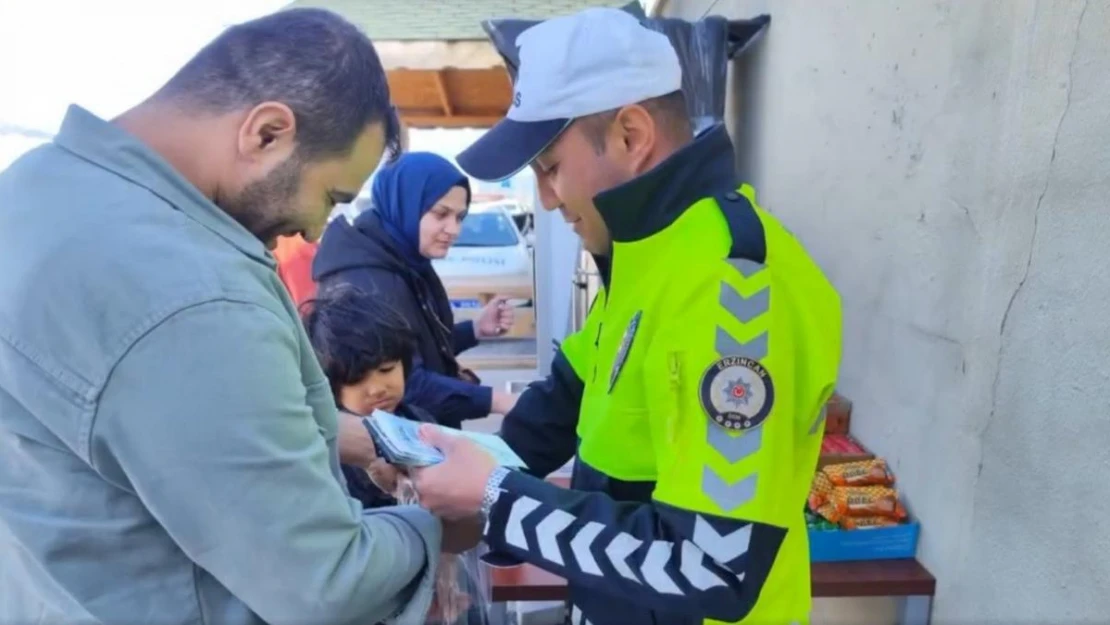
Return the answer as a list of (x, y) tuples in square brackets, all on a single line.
[(443, 71), (450, 98)]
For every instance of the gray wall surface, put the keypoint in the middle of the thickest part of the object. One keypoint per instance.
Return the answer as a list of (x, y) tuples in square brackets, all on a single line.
[(948, 163)]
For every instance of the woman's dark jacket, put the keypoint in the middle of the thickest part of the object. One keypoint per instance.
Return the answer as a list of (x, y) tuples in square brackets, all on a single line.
[(364, 256)]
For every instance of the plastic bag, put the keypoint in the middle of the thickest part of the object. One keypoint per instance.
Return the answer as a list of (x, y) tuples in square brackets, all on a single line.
[(463, 583)]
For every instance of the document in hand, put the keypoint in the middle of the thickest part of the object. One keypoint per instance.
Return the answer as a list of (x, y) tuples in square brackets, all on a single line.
[(398, 442)]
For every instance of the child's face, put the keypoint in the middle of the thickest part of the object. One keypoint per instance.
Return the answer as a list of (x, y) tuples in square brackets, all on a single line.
[(381, 389)]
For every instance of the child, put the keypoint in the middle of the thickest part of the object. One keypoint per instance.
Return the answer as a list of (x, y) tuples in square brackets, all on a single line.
[(365, 348)]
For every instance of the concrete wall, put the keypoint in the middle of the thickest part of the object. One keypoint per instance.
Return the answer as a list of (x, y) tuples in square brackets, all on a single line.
[(948, 162)]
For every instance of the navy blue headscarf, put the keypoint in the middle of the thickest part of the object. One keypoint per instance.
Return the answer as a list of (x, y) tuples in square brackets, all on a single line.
[(405, 190)]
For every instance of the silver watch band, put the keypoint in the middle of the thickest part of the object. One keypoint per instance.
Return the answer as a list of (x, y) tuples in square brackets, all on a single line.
[(493, 490)]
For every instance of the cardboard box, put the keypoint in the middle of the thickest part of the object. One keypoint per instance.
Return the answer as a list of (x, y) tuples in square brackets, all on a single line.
[(838, 414), (878, 543)]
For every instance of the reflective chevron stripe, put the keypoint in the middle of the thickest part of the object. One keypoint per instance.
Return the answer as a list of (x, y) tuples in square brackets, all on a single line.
[(747, 268), (736, 446), (580, 546), (698, 574), (755, 348), (745, 309), (547, 534), (618, 551), (514, 527), (701, 557), (723, 549), (576, 616), (653, 568), (728, 496)]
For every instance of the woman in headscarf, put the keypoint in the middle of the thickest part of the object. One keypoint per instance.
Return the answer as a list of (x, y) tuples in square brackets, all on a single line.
[(417, 206)]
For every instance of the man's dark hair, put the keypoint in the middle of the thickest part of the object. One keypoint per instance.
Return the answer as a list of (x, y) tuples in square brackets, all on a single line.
[(353, 333), (668, 110), (315, 62)]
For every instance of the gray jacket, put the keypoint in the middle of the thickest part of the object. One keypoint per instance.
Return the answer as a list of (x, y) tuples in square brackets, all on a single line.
[(167, 438)]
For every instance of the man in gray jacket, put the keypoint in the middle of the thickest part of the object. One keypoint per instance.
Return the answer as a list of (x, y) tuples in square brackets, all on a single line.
[(167, 438)]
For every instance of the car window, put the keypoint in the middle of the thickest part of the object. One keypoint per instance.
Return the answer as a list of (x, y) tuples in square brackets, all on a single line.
[(508, 208), (487, 230)]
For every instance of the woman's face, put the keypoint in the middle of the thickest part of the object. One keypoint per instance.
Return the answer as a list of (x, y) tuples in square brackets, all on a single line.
[(439, 227), (381, 389)]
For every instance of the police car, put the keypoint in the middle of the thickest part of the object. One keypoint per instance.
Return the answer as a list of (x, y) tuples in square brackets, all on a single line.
[(490, 256)]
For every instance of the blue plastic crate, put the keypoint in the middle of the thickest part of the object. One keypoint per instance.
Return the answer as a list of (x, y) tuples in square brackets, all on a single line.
[(880, 543)]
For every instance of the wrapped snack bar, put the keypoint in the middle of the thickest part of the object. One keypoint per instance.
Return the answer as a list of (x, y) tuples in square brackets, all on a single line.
[(860, 501), (872, 472)]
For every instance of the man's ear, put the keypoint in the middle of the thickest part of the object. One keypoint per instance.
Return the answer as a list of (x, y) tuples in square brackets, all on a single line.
[(637, 133), (268, 131)]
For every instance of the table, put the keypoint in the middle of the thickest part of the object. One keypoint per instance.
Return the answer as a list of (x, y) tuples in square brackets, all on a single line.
[(908, 580), (878, 578)]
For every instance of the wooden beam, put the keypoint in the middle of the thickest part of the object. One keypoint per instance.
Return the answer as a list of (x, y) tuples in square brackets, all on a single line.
[(453, 121), (444, 97)]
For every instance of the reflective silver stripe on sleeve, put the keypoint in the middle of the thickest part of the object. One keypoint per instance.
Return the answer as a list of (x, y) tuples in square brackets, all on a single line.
[(653, 564), (736, 446)]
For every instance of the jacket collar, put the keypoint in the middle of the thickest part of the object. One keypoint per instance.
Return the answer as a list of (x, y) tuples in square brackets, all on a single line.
[(108, 146), (651, 202)]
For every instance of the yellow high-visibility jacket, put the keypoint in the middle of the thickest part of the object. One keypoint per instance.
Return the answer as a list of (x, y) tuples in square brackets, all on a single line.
[(693, 397)]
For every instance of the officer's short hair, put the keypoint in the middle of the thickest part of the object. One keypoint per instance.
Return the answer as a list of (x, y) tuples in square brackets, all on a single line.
[(312, 60), (353, 333), (669, 111)]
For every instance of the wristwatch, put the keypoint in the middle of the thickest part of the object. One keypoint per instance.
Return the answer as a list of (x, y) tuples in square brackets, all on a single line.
[(493, 491)]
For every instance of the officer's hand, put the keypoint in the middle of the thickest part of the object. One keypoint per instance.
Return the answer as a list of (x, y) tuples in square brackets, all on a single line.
[(453, 489)]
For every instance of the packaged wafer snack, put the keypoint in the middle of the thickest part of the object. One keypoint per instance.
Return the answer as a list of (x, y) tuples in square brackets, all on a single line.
[(861, 501), (872, 472)]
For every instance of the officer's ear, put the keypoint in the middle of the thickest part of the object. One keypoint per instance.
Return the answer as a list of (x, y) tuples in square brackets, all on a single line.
[(637, 134)]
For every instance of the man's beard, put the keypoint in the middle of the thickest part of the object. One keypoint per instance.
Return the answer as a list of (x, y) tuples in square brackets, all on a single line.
[(267, 207)]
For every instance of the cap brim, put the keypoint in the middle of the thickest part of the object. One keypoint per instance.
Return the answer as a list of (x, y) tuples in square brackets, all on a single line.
[(509, 147)]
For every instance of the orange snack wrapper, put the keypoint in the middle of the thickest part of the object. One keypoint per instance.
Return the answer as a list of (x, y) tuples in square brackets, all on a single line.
[(864, 501), (862, 473), (820, 490), (829, 511), (866, 522)]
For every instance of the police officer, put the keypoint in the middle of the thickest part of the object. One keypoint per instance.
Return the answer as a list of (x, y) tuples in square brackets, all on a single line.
[(693, 395)]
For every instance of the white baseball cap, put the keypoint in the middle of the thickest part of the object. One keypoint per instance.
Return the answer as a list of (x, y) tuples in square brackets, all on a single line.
[(595, 60)]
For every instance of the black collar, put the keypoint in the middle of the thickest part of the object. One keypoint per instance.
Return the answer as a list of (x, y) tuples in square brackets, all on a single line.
[(649, 203)]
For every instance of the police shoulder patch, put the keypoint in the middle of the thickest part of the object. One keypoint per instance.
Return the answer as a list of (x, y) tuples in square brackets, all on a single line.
[(737, 393)]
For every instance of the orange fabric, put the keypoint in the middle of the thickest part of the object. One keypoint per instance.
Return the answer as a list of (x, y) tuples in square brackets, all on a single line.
[(294, 257)]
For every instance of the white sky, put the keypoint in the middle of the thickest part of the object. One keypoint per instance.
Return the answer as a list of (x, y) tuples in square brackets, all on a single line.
[(107, 55)]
